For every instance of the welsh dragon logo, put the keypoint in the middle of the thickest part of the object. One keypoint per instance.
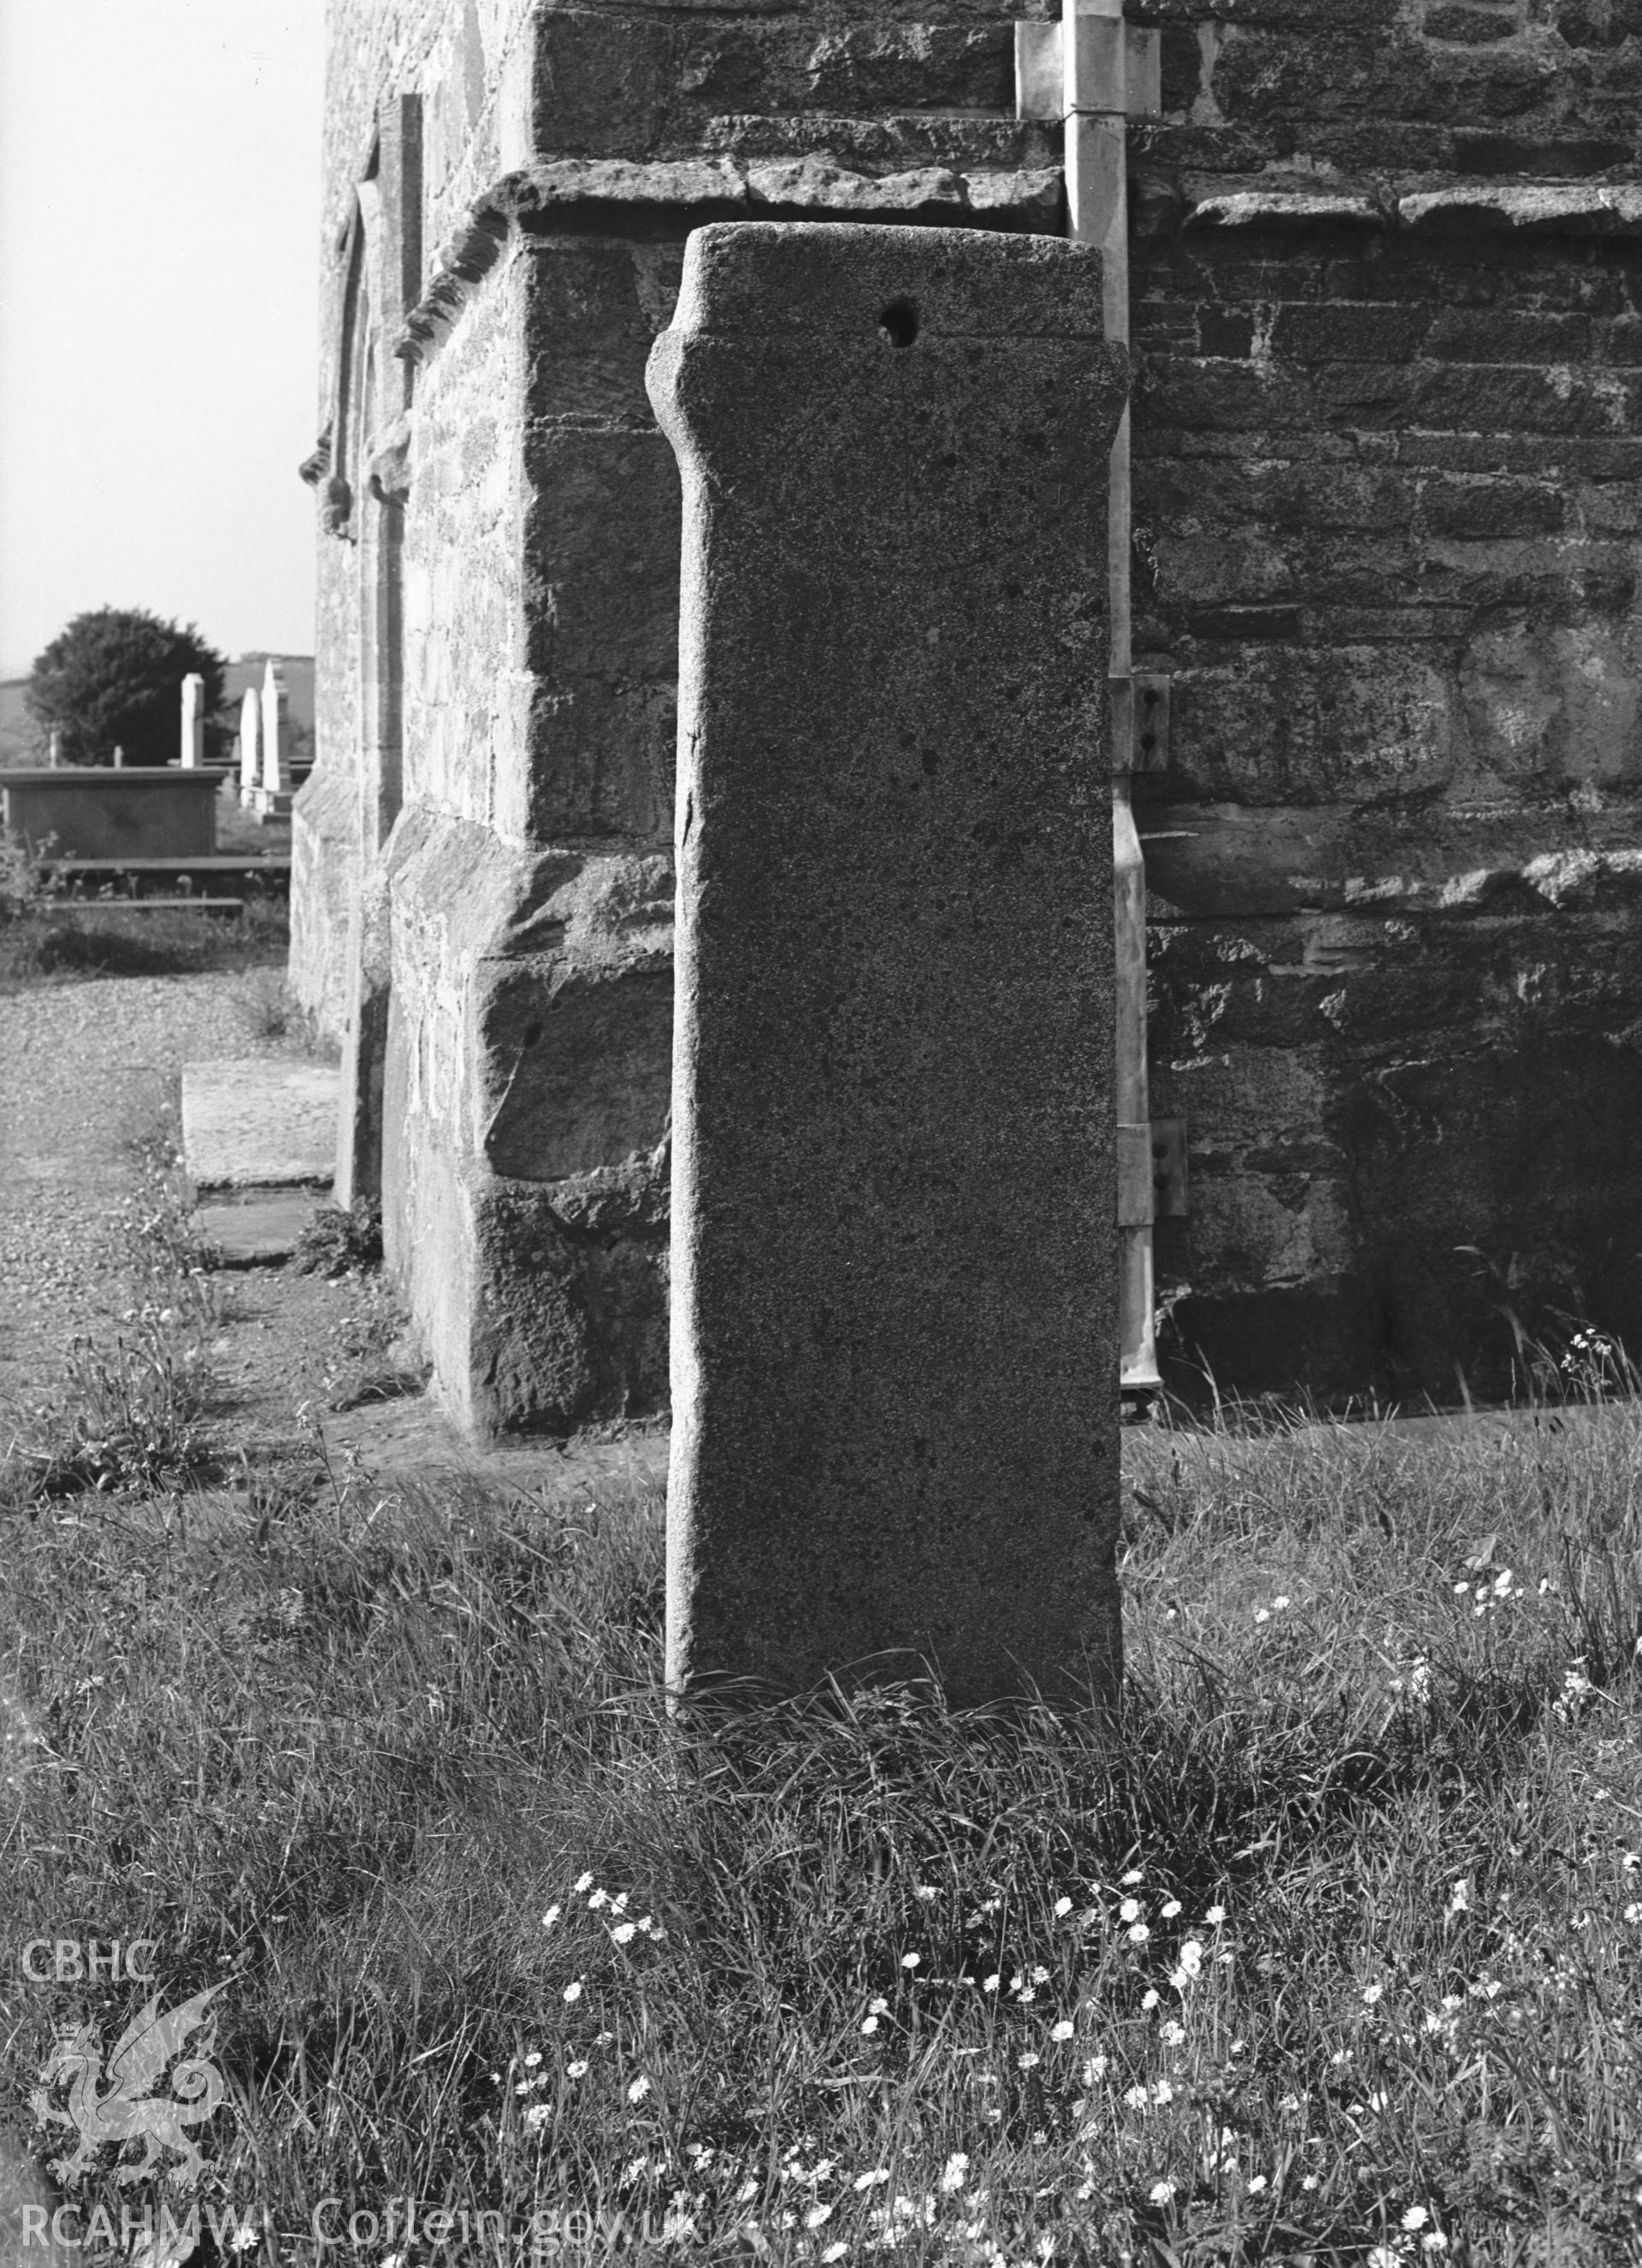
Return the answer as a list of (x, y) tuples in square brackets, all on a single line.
[(129, 2110)]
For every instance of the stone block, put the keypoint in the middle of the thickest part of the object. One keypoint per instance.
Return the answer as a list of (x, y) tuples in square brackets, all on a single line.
[(1182, 392), (259, 1231), (895, 1370), (1511, 398), (592, 315), (1508, 335), (601, 541), (1460, 24), (576, 1064), (266, 1121), (1492, 510), (599, 761), (324, 885), (1383, 332), (855, 69), (602, 82), (1224, 332), (573, 1324), (1304, 727), (525, 1089), (368, 972)]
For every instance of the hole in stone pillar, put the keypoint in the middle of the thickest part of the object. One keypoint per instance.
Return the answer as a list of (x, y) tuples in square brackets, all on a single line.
[(899, 323)]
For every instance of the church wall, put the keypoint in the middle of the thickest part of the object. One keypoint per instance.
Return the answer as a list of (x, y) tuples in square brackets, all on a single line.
[(1386, 378), (1388, 348)]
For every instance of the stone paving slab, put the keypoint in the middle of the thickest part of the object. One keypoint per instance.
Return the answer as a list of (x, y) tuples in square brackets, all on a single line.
[(252, 1122), (258, 1230)]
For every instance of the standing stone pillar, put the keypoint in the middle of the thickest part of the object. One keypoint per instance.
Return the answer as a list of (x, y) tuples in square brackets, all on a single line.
[(250, 744), (192, 721), (895, 1370), (275, 773)]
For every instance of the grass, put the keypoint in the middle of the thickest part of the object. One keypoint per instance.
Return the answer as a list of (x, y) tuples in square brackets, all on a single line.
[(46, 936), (1336, 1956), (131, 1413), (340, 1240), (98, 937)]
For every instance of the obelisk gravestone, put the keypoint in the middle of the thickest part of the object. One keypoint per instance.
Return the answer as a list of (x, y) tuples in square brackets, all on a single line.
[(894, 1362), (275, 765), (250, 744), (192, 721)]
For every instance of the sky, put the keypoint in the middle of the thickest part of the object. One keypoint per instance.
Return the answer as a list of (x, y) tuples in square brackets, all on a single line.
[(159, 201)]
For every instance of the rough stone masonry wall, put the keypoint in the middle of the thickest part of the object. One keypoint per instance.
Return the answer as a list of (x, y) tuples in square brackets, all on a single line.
[(458, 58), (1388, 332), (1383, 278)]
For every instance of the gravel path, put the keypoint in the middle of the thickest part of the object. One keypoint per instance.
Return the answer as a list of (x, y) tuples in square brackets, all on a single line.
[(86, 1069)]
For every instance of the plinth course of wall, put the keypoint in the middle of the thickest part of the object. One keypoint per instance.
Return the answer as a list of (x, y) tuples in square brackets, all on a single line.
[(1387, 351)]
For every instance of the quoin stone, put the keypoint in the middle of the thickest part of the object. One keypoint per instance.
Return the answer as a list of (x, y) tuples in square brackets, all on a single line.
[(893, 1353), (250, 744), (192, 720)]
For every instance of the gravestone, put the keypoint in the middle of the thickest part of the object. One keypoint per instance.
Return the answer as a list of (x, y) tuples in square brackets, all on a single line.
[(250, 744), (192, 721), (273, 800), (894, 1366)]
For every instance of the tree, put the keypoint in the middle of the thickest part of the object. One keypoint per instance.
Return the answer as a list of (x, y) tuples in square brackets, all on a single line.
[(113, 679)]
